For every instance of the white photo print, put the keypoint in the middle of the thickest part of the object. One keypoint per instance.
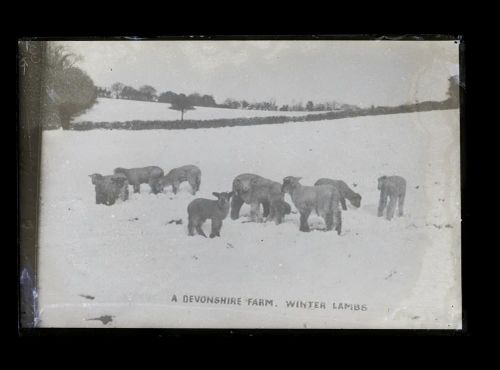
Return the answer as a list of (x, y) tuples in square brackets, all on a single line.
[(250, 184)]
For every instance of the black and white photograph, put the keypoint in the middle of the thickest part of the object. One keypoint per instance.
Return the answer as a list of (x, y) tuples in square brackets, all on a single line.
[(253, 184)]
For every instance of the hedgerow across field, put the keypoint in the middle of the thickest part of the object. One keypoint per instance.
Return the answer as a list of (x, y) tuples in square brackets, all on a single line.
[(253, 121)]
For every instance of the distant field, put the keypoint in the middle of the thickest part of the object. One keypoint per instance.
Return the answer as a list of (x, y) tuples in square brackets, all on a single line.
[(119, 110)]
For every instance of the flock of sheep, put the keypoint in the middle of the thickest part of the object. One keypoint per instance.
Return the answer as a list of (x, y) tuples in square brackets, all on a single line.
[(326, 198)]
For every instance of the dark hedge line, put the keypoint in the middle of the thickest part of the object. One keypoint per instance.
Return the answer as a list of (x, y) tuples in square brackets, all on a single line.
[(230, 122)]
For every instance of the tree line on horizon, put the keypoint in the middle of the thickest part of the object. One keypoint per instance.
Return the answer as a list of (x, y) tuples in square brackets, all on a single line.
[(183, 102), (148, 93)]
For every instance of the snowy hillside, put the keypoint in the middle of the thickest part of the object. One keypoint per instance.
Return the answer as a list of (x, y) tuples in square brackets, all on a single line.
[(119, 110), (126, 261)]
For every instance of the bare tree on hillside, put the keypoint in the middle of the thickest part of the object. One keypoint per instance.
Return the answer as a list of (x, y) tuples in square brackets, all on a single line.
[(182, 104)]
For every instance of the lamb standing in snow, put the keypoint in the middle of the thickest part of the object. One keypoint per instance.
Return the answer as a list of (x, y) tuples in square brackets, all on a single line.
[(394, 188), (323, 199), (138, 176), (176, 176), (345, 192), (254, 190), (200, 209)]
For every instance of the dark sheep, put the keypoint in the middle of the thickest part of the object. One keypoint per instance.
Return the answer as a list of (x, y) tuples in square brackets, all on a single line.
[(108, 189), (200, 209)]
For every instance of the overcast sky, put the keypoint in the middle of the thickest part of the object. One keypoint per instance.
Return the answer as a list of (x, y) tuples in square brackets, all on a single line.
[(353, 72)]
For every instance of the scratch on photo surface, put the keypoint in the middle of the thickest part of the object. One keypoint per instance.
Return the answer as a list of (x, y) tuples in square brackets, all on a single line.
[(87, 296), (105, 319)]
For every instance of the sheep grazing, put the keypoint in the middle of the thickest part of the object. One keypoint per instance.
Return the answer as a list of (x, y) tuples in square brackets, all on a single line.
[(138, 176), (176, 176), (345, 192), (200, 209), (278, 209), (323, 199), (254, 190)]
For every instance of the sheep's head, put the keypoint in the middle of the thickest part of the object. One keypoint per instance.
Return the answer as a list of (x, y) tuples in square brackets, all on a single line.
[(96, 178), (242, 186), (381, 182), (289, 184), (223, 199), (356, 200)]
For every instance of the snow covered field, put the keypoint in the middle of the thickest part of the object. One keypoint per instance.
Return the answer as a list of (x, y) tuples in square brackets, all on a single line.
[(126, 262), (119, 110)]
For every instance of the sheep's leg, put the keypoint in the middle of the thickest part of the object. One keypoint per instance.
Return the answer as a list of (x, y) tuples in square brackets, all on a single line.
[(110, 200), (343, 203), (401, 202), (391, 207), (272, 214), (236, 204), (304, 216), (266, 208), (278, 218), (190, 227), (329, 220), (137, 187), (337, 221), (254, 211), (175, 187), (124, 193), (199, 230), (382, 203), (98, 196), (216, 226), (193, 184)]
